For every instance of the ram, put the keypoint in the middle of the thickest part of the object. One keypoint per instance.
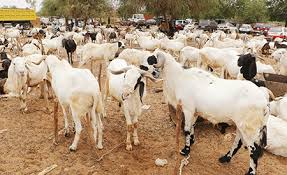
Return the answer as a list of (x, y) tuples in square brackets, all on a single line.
[(201, 93), (126, 84), (83, 97)]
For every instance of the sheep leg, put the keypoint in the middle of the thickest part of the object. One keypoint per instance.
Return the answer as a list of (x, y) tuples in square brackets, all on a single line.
[(66, 121), (45, 93), (92, 64), (222, 73), (71, 57), (235, 147), (41, 91), (68, 57), (23, 96), (135, 133), (100, 131), (190, 120), (129, 127), (255, 152), (94, 125), (78, 128)]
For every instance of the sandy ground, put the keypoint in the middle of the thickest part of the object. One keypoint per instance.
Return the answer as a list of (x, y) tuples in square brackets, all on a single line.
[(26, 147)]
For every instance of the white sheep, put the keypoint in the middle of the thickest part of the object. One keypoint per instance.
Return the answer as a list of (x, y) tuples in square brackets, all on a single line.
[(134, 56), (106, 51), (78, 38), (126, 84), (278, 107), (226, 59), (189, 55), (22, 74), (52, 44), (264, 68), (77, 90), (217, 100), (277, 136), (130, 37), (31, 48), (281, 56), (173, 46), (147, 43), (214, 42)]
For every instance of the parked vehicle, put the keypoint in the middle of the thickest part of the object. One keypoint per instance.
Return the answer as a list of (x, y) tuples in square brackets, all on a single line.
[(150, 22), (179, 24), (226, 27), (207, 25), (137, 19), (261, 28), (24, 17), (246, 28), (276, 32)]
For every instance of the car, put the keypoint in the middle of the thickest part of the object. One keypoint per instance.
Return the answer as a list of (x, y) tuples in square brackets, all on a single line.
[(137, 19), (125, 22), (246, 28), (226, 27), (276, 32), (207, 25), (151, 22), (179, 24), (261, 28), (8, 25)]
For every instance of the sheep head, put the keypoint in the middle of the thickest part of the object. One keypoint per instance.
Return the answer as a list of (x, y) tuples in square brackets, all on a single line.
[(133, 80)]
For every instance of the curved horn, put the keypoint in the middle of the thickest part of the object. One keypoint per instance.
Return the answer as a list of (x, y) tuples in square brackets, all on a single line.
[(160, 59), (149, 76), (123, 70), (40, 61)]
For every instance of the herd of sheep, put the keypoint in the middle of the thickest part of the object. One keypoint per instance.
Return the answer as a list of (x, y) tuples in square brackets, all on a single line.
[(212, 75)]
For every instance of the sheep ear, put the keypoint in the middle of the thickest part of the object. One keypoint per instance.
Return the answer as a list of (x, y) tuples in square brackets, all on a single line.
[(120, 44), (123, 70), (151, 60)]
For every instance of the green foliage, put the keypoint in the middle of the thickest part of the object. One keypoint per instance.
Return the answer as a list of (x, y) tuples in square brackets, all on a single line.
[(241, 10), (277, 9), (250, 11), (76, 8)]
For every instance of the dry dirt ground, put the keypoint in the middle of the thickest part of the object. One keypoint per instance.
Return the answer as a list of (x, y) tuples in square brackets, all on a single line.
[(26, 147)]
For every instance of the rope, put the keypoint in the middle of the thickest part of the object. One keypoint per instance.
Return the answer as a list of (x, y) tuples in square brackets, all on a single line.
[(183, 163)]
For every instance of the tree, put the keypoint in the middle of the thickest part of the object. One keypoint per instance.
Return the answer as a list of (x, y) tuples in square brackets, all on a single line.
[(32, 3), (242, 10), (278, 10), (250, 11), (83, 9)]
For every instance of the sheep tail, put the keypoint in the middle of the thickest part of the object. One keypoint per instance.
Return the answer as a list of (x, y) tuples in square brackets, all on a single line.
[(263, 130)]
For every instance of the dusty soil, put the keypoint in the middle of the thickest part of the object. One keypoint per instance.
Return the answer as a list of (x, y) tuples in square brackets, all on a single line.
[(27, 145)]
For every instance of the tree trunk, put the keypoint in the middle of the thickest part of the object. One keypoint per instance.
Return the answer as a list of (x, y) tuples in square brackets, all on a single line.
[(109, 20), (66, 22), (285, 22)]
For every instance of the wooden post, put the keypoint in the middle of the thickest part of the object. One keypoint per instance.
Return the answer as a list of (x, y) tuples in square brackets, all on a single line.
[(56, 106), (178, 127)]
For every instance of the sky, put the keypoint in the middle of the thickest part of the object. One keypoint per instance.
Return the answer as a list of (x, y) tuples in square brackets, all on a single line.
[(19, 3)]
